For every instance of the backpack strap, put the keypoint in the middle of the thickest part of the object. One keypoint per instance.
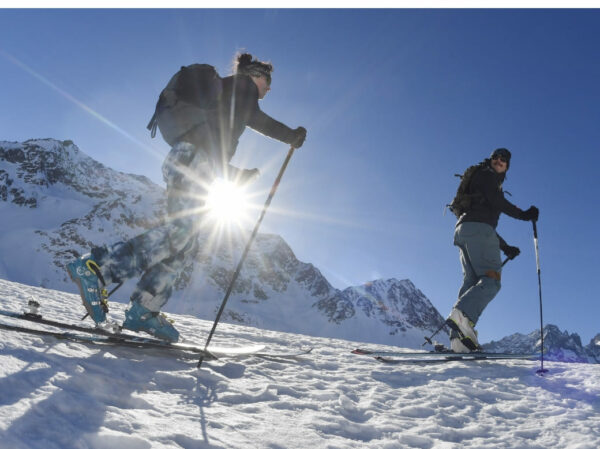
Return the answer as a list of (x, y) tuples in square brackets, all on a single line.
[(166, 100), (153, 123)]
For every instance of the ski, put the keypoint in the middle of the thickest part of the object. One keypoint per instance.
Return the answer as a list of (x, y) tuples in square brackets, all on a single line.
[(138, 342), (284, 355), (37, 318), (438, 356), (100, 336), (459, 357)]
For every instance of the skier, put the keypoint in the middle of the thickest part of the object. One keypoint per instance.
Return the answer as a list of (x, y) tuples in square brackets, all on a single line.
[(479, 245), (203, 142)]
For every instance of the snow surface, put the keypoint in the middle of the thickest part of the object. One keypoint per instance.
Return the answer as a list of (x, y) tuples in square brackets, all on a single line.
[(59, 394)]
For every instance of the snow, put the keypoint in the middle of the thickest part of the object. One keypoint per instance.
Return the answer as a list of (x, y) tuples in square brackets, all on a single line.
[(59, 394)]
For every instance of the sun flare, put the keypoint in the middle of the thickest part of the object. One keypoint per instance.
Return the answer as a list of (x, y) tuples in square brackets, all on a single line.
[(226, 202)]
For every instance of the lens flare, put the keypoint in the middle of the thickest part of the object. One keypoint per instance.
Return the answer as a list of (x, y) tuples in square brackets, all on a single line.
[(226, 202)]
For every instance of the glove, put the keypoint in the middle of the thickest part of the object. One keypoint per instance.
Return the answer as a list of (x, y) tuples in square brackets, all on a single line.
[(530, 214), (298, 136), (511, 251), (247, 176)]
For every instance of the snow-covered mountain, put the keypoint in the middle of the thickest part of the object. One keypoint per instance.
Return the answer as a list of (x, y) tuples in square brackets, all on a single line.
[(558, 345), (57, 203)]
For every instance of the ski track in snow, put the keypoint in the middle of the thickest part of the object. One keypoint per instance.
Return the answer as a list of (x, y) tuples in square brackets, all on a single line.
[(60, 395)]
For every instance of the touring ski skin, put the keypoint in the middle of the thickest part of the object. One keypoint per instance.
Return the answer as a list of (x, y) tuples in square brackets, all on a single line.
[(100, 336)]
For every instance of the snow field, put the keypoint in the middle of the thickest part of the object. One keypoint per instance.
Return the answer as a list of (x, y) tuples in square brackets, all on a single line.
[(59, 395)]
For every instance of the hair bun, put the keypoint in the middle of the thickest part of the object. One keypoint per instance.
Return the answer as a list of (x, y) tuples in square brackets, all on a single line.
[(244, 59)]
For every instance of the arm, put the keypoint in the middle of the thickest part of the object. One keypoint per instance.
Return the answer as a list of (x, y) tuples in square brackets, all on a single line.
[(510, 251), (485, 181), (264, 124)]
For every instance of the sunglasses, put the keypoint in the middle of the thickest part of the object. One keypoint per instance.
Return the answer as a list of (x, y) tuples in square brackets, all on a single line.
[(502, 158)]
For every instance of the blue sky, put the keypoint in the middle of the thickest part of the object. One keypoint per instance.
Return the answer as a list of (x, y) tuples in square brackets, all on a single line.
[(395, 102)]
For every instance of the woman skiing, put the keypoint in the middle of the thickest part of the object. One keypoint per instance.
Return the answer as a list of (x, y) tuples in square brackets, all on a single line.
[(204, 138), (480, 245)]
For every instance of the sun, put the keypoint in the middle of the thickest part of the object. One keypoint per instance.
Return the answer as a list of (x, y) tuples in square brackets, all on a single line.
[(226, 202)]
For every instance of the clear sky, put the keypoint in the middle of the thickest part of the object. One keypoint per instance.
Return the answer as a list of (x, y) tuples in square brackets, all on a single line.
[(395, 102)]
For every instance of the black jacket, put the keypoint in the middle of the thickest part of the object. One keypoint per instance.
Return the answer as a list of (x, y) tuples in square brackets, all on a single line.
[(491, 203), (238, 108)]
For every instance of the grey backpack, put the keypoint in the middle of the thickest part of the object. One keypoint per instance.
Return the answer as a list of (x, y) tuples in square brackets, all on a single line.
[(190, 95)]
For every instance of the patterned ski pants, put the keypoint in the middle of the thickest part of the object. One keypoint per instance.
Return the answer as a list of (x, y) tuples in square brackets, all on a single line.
[(160, 254), (479, 255)]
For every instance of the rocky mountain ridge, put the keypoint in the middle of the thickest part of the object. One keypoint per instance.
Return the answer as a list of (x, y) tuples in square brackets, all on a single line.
[(59, 202), (558, 345), (56, 203)]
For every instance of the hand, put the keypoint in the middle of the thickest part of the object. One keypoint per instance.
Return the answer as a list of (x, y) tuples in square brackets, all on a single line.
[(530, 214), (299, 134), (511, 251), (247, 176)]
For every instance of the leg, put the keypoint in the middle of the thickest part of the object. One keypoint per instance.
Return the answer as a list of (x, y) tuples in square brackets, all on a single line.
[(185, 201), (156, 285), (481, 250), (187, 187), (187, 173), (480, 260), (470, 278)]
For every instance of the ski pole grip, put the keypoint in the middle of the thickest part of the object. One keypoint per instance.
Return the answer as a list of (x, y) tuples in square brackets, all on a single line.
[(537, 250)]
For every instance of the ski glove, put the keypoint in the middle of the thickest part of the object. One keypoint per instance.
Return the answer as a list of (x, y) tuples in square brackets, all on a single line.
[(298, 136), (511, 251), (530, 214), (247, 176)]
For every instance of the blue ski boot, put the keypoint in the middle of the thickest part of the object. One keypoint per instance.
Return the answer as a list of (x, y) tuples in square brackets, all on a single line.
[(139, 318), (85, 272)]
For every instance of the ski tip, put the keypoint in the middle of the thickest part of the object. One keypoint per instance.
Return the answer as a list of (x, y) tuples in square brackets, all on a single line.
[(360, 351)]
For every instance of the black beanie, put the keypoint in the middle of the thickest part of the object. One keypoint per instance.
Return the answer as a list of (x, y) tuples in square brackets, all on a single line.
[(504, 153)]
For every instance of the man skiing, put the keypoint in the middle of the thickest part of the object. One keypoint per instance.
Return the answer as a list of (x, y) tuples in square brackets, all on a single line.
[(203, 139), (480, 245)]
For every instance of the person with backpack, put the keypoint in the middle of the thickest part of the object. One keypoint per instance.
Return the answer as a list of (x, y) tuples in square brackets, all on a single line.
[(478, 205), (202, 117)]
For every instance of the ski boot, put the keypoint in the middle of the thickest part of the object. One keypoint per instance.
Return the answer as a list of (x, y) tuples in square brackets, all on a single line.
[(139, 318), (456, 345), (458, 322), (85, 272)]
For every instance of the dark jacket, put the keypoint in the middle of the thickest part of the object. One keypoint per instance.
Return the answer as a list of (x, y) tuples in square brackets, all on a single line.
[(238, 108), (491, 203)]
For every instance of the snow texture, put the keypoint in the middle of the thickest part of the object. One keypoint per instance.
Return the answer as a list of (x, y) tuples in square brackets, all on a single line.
[(62, 395)]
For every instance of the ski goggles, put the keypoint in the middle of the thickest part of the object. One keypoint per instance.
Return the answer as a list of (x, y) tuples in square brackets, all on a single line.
[(258, 72), (503, 155)]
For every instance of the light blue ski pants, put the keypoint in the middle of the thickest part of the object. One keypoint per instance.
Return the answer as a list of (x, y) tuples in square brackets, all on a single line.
[(481, 264), (160, 254)]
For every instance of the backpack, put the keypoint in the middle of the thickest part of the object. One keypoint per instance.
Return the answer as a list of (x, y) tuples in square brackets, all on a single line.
[(194, 89), (463, 200)]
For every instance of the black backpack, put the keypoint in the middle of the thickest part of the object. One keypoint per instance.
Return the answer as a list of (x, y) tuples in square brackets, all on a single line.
[(463, 200), (197, 85)]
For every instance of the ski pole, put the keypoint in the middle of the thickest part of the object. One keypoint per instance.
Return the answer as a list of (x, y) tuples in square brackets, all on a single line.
[(429, 339), (537, 262), (245, 253)]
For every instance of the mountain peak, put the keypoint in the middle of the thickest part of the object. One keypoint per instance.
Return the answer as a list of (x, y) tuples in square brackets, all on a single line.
[(558, 345), (60, 203)]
